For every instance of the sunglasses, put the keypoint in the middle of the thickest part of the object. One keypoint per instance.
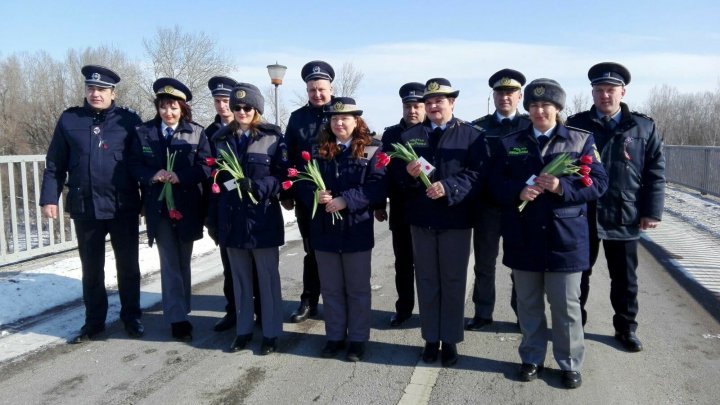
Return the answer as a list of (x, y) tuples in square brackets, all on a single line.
[(245, 108)]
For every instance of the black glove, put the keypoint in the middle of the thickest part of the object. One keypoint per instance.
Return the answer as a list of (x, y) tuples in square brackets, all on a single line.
[(245, 184)]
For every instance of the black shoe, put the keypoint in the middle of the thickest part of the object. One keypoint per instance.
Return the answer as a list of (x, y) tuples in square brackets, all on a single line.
[(303, 312), (398, 319), (86, 334), (269, 345), (629, 341), (529, 371), (226, 322), (240, 342), (356, 351), (449, 355), (571, 379), (134, 328), (430, 353), (182, 331), (332, 347), (477, 323)]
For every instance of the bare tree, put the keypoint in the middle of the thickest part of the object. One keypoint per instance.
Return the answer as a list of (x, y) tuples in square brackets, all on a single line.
[(191, 58), (580, 102), (348, 81)]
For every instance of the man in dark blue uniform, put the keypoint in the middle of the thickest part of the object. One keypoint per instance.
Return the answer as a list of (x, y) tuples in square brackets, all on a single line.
[(301, 135), (89, 150), (413, 113), (631, 151), (506, 85)]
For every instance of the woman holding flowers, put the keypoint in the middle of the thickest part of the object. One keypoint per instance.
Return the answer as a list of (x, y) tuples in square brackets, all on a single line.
[(551, 171), (342, 226), (168, 160), (245, 216)]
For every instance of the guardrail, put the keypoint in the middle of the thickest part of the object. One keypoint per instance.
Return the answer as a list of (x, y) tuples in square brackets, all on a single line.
[(696, 167), (24, 233)]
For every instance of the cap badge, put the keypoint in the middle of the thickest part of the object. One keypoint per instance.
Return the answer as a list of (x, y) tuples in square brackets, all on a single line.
[(539, 91), (505, 81), (240, 94), (316, 69), (96, 76), (433, 86), (411, 93), (169, 89), (339, 106), (220, 86), (96, 130)]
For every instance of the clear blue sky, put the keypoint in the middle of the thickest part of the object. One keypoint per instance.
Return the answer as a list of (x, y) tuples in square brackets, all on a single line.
[(392, 42)]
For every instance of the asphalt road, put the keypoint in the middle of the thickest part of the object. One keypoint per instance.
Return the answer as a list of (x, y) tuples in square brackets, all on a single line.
[(680, 363)]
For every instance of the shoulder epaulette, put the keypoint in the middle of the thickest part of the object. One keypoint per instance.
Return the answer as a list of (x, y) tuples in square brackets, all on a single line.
[(577, 129), (481, 119), (73, 108)]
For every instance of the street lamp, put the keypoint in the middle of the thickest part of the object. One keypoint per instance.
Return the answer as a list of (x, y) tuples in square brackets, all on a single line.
[(276, 72)]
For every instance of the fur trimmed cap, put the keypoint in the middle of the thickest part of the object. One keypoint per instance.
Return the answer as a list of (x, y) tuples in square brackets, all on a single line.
[(544, 90)]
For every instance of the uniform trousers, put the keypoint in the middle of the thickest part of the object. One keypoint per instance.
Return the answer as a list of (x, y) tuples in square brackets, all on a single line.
[(228, 286), (345, 281), (441, 262), (175, 256), (486, 246), (124, 240), (404, 269), (563, 292), (622, 262), (311, 278), (267, 261)]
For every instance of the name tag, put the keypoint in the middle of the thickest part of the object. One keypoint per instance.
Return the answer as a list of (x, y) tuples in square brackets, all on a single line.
[(425, 166), (230, 185)]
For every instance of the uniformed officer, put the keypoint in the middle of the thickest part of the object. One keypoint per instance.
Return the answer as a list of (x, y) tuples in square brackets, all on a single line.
[(413, 113), (220, 88), (89, 149), (440, 215), (251, 231), (546, 245), (302, 130), (347, 157), (506, 85), (172, 132), (631, 151)]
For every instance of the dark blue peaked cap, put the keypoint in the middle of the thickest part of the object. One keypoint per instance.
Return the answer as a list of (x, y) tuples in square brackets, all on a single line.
[(412, 92), (221, 86), (317, 70), (100, 76), (172, 87), (609, 73)]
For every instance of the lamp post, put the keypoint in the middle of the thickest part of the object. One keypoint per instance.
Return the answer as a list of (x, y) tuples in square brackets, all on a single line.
[(276, 72)]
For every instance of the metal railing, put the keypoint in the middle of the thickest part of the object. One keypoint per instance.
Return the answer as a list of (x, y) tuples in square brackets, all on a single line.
[(696, 167), (25, 234)]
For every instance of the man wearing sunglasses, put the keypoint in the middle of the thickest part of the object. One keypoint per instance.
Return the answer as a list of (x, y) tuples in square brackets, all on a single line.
[(301, 135)]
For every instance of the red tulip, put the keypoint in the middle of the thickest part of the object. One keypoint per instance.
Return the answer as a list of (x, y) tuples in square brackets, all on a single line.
[(216, 188), (286, 184), (175, 214), (292, 172), (586, 159), (210, 161), (586, 181), (584, 170), (382, 160), (306, 155)]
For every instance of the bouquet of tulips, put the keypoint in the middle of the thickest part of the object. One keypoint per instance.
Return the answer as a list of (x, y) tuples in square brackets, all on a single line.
[(228, 162), (406, 153), (167, 192), (312, 174), (564, 165)]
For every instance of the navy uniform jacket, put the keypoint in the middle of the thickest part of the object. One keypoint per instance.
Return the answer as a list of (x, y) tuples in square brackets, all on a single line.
[(240, 223), (362, 184), (149, 155), (90, 149), (551, 233), (211, 129), (632, 155), (460, 160), (301, 135), (395, 193), (494, 130)]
